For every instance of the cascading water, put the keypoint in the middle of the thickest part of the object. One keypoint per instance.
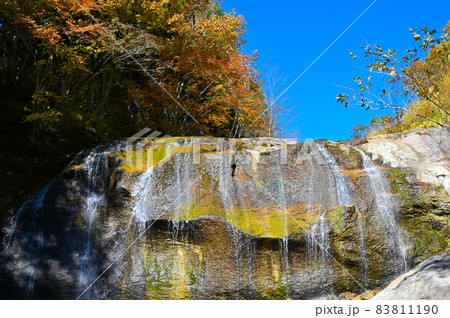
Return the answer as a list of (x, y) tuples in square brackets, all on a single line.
[(344, 198), (95, 167), (143, 194), (36, 248), (238, 224), (318, 242), (184, 170), (34, 238), (36, 204), (152, 199), (165, 187), (343, 193), (386, 206)]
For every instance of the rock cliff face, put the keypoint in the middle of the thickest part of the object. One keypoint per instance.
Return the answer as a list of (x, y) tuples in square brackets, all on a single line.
[(199, 218)]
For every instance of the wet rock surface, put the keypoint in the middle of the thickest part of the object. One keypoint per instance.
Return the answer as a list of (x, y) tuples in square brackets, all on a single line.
[(223, 219)]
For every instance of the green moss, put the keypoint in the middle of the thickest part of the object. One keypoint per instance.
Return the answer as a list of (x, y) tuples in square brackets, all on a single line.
[(426, 243), (273, 283), (353, 157), (430, 232), (283, 289), (197, 209), (400, 184), (159, 152), (260, 185), (425, 229), (337, 219)]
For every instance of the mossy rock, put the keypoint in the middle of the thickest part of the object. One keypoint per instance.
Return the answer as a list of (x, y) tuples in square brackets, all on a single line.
[(341, 217), (258, 222)]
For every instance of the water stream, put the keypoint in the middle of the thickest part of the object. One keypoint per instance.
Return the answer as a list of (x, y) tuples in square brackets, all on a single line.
[(386, 206), (343, 194), (96, 168), (322, 195), (344, 198)]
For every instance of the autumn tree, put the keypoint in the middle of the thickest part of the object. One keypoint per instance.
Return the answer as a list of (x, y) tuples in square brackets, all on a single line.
[(416, 85), (216, 86), (78, 73)]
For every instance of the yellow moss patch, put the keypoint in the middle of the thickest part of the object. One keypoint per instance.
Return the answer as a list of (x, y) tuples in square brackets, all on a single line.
[(76, 167), (259, 222), (143, 159), (160, 151)]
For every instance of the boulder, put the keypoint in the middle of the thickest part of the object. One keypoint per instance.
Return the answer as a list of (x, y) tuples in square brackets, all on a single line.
[(429, 280)]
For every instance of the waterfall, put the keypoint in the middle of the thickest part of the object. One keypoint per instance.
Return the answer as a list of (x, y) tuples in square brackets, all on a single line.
[(215, 234), (38, 239), (184, 176), (318, 239), (36, 204), (177, 226), (153, 195), (225, 180), (95, 167), (143, 192), (343, 193), (165, 189), (386, 207), (344, 198), (34, 237)]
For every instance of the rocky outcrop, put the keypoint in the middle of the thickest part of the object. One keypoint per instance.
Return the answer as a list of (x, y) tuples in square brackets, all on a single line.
[(429, 280), (417, 164), (205, 218), (425, 152)]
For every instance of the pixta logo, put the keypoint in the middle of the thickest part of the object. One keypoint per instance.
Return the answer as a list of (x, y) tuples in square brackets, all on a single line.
[(136, 144)]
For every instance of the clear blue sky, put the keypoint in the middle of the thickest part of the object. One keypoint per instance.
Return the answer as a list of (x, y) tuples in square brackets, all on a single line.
[(291, 34)]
